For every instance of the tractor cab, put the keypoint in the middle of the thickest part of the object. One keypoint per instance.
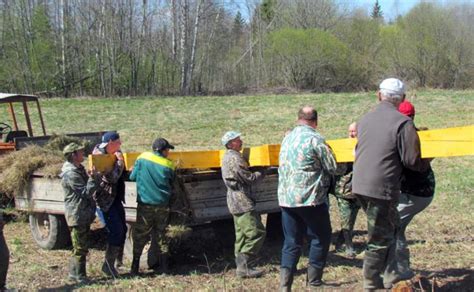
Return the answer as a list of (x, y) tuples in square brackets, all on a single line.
[(9, 129)]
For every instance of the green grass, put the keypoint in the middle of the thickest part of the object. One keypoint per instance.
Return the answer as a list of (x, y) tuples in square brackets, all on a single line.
[(199, 122)]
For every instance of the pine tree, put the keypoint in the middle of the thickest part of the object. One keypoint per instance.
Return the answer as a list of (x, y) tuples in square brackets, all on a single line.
[(377, 11)]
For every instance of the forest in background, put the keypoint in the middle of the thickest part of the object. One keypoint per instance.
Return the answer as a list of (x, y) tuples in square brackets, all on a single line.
[(202, 47)]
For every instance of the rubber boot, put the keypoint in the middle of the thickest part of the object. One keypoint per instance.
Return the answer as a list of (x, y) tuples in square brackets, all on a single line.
[(393, 273), (314, 276), (350, 252), (243, 268), (286, 279), (135, 269), (75, 270), (372, 268), (339, 241), (119, 262), (164, 263), (82, 268), (111, 254)]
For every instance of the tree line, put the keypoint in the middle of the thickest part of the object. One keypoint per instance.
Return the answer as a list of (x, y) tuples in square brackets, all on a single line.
[(189, 47)]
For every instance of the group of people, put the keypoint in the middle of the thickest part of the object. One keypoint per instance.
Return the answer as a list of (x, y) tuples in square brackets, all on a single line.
[(89, 192), (389, 180)]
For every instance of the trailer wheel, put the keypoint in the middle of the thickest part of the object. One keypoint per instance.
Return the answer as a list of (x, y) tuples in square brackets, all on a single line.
[(49, 231), (150, 254)]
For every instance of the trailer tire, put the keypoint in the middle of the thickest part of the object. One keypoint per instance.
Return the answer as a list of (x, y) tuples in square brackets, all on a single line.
[(150, 255), (49, 231)]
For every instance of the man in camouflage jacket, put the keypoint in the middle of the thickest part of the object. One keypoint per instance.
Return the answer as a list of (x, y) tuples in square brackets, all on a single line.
[(79, 206), (347, 203), (305, 173), (249, 230)]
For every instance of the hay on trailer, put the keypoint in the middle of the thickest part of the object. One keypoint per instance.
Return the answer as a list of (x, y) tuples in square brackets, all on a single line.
[(17, 166)]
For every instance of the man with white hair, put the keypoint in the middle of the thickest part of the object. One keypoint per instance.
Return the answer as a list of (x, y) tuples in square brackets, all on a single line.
[(387, 142)]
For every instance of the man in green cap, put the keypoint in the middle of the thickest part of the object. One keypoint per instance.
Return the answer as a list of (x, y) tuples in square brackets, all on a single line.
[(79, 206), (249, 230)]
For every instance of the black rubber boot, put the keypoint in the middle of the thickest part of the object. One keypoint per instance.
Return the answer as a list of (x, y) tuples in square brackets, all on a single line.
[(373, 266), (286, 279), (243, 268), (164, 264), (82, 268), (111, 254), (135, 269), (350, 252), (119, 261), (314, 276), (339, 241)]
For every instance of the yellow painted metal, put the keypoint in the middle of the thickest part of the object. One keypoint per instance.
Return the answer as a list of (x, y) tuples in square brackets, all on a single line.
[(434, 143), (102, 163), (457, 141)]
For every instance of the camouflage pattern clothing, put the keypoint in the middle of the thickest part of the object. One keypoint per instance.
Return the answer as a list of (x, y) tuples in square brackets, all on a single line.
[(306, 165), (347, 203), (151, 221), (154, 175), (78, 189), (249, 230), (112, 184), (239, 180)]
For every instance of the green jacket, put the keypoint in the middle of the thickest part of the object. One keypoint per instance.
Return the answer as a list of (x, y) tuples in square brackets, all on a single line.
[(154, 175), (78, 189)]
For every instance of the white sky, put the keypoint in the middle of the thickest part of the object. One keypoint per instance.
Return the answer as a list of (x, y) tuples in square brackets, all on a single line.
[(390, 8)]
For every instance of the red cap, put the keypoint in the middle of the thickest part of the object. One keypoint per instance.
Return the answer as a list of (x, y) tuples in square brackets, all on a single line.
[(406, 108)]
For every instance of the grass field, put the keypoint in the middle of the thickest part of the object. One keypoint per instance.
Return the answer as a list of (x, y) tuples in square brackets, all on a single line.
[(441, 238)]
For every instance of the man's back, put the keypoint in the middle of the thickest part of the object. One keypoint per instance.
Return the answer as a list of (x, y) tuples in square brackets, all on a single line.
[(305, 164)]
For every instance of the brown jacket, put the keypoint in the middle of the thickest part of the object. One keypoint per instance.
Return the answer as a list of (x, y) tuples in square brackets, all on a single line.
[(387, 142)]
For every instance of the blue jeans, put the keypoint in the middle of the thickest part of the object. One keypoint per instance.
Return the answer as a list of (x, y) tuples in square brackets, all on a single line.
[(315, 223)]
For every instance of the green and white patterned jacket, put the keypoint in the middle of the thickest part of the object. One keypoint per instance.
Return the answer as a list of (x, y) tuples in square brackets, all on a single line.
[(306, 167)]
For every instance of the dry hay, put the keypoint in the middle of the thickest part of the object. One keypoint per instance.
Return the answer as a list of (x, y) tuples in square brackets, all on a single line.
[(17, 166)]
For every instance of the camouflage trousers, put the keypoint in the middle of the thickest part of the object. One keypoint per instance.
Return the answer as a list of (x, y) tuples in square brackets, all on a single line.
[(348, 209), (249, 233), (383, 222), (151, 223), (80, 240)]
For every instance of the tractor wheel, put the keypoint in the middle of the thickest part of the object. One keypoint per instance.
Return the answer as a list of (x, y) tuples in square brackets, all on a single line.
[(49, 231)]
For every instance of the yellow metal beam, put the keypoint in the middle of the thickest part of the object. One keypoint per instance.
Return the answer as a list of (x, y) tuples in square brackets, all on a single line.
[(434, 143)]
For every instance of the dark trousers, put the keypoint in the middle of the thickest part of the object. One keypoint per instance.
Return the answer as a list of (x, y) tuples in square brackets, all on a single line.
[(315, 223), (116, 224), (4, 260)]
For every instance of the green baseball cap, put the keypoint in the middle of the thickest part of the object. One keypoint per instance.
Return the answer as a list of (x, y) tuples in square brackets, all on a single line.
[(71, 148)]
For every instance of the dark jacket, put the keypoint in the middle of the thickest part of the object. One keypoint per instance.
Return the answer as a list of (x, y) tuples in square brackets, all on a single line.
[(387, 142)]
